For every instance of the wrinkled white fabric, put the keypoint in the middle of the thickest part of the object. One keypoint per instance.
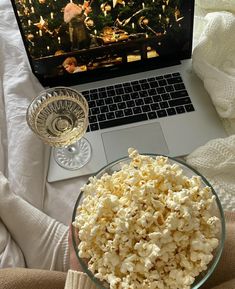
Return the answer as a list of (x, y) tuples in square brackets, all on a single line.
[(8, 245), (22, 157), (18, 87)]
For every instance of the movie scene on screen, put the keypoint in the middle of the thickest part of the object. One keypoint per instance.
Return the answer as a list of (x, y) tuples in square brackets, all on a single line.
[(75, 36)]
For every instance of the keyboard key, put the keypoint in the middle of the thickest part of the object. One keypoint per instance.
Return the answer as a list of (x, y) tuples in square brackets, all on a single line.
[(152, 115), (92, 119), (171, 111), (128, 111), (173, 80), (160, 90), (104, 108), (146, 108), (95, 110), (134, 82), (94, 126), (108, 100), (145, 86), (128, 89), (121, 105), (179, 86), (164, 104), (179, 101), (102, 94), (169, 88), (111, 92), (119, 90), (117, 98), (85, 92), (126, 97), (148, 100), (136, 87), (91, 104), (143, 93), (123, 120), (112, 107), (119, 85), (110, 115), (130, 103), (101, 117), (137, 110), (155, 106), (88, 97), (99, 102), (134, 95), (161, 113), (165, 96), (139, 101), (152, 92), (157, 98), (153, 84), (189, 107), (180, 109), (162, 82), (94, 96), (178, 94), (167, 76), (119, 113)]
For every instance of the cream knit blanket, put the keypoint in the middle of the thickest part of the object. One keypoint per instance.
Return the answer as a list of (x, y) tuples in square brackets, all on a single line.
[(214, 62)]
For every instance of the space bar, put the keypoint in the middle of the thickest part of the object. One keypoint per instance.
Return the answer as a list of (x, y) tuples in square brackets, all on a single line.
[(123, 120)]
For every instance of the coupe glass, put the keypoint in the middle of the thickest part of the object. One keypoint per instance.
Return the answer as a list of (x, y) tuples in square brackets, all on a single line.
[(59, 116)]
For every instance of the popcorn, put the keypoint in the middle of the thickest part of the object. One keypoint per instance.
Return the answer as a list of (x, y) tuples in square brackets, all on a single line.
[(147, 225)]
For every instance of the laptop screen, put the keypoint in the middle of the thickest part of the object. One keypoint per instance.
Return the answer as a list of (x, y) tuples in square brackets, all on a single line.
[(80, 40)]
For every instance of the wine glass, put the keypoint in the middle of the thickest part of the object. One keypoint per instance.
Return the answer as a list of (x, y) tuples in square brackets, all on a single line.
[(59, 116)]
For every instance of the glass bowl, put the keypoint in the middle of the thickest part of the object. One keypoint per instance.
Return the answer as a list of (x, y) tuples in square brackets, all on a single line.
[(187, 171)]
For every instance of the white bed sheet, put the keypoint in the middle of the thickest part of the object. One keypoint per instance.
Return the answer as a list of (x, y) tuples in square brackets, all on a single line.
[(23, 157)]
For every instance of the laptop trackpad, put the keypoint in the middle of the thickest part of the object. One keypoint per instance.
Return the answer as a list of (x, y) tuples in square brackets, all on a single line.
[(147, 138)]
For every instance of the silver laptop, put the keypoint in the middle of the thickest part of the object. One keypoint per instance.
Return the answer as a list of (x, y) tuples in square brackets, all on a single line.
[(133, 64)]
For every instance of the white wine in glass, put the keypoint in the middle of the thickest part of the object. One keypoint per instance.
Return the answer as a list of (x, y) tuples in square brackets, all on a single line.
[(59, 116)]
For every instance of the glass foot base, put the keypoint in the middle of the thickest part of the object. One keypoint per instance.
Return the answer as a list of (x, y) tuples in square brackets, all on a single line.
[(74, 156)]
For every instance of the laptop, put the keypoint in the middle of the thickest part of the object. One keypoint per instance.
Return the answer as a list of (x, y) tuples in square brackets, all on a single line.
[(132, 63)]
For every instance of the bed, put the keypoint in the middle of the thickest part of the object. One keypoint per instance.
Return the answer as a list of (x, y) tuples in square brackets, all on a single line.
[(24, 158)]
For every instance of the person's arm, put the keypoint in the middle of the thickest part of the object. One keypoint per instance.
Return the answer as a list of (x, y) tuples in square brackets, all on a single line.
[(43, 241)]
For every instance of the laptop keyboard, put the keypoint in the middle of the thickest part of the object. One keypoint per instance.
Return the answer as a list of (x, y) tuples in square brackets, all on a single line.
[(138, 100)]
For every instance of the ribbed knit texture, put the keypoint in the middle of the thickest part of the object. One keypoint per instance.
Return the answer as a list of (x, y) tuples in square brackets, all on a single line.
[(216, 161), (78, 280)]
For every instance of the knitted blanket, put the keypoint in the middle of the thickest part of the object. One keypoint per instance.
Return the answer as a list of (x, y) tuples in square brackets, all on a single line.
[(214, 62)]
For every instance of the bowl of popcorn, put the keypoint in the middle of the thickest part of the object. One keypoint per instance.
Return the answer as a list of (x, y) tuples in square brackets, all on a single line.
[(148, 221)]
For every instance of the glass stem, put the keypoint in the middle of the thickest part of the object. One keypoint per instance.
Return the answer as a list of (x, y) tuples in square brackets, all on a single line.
[(74, 149)]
